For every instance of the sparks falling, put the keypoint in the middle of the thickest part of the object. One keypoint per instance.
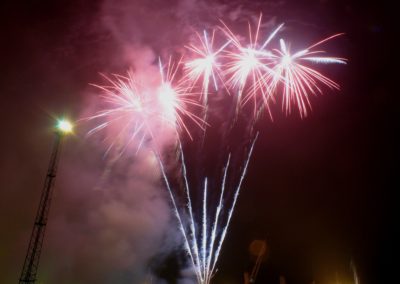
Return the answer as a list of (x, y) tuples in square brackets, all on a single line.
[(203, 241)]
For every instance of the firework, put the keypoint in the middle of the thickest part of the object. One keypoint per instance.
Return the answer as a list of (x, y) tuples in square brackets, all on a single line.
[(128, 111), (256, 73), (135, 110), (205, 64), (175, 100), (298, 79), (204, 247), (248, 64)]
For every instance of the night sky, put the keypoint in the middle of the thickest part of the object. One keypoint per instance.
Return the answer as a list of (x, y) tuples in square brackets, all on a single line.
[(319, 190)]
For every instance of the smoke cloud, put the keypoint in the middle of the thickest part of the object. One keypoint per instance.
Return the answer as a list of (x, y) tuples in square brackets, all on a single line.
[(108, 232)]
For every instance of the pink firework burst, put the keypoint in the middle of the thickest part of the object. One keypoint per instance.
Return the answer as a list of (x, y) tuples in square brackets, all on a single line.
[(127, 115), (204, 64), (175, 101), (139, 111), (298, 79), (249, 65)]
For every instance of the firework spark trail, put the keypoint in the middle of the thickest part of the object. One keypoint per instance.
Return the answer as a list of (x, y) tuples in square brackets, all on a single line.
[(190, 209), (204, 262), (177, 214), (217, 214), (204, 236), (298, 79), (225, 229)]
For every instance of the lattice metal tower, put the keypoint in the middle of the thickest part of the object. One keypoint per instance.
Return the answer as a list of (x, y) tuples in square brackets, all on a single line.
[(31, 263)]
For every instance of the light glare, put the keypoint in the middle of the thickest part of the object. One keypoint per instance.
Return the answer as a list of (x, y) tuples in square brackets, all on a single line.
[(64, 126)]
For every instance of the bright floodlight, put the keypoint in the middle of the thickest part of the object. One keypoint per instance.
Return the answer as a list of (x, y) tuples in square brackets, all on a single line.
[(64, 126)]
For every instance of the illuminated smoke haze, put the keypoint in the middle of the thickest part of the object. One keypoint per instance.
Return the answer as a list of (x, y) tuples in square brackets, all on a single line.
[(110, 218)]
